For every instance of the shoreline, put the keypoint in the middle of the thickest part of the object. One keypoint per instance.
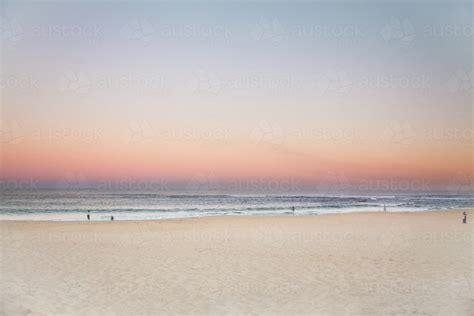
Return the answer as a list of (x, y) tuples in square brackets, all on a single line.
[(288, 215)]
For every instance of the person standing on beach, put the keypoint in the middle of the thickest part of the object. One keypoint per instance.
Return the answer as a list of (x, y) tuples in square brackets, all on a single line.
[(293, 210), (111, 218), (464, 219), (88, 215)]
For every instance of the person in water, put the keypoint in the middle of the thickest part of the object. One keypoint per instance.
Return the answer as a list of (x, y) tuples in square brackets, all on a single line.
[(111, 218), (464, 219), (293, 209)]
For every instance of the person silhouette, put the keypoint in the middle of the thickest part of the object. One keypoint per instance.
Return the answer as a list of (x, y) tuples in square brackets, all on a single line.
[(111, 218), (293, 209), (88, 215), (464, 219)]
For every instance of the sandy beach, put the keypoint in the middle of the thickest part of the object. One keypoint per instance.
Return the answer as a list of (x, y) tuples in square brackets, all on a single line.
[(363, 264)]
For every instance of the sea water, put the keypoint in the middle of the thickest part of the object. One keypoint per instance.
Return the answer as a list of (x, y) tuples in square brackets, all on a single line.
[(64, 205)]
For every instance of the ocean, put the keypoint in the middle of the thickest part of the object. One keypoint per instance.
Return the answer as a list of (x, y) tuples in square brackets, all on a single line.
[(58, 205)]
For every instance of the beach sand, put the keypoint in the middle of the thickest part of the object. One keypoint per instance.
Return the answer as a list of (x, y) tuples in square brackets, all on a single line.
[(359, 263)]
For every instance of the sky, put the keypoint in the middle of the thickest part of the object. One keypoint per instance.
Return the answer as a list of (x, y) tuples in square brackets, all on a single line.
[(373, 95)]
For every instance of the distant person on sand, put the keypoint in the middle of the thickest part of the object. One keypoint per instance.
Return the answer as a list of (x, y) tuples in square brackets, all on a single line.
[(293, 209), (88, 215), (464, 219), (111, 218)]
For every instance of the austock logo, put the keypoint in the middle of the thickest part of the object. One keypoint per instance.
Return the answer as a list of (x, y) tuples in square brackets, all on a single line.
[(139, 29), (11, 30), (74, 81), (205, 82), (206, 182), (269, 232), (11, 133), (399, 132), (268, 29), (461, 183), (395, 239), (72, 181), (140, 133), (333, 183), (399, 30), (335, 81), (269, 133), (460, 81)]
